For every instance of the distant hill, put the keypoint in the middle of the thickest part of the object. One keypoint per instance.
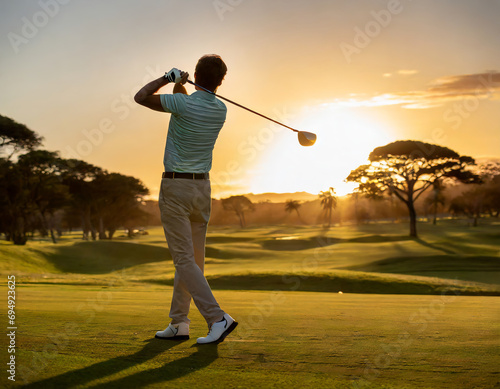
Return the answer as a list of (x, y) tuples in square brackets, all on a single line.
[(281, 197), (486, 160)]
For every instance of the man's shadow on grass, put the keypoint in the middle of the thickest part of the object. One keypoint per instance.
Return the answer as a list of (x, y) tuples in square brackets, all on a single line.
[(203, 357)]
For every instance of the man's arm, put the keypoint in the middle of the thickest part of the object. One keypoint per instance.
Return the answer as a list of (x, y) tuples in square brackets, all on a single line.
[(147, 97), (179, 88)]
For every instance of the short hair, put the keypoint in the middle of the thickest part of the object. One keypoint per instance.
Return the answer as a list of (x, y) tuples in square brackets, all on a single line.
[(210, 71)]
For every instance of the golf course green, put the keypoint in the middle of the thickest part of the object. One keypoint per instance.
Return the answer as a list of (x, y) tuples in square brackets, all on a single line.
[(349, 307)]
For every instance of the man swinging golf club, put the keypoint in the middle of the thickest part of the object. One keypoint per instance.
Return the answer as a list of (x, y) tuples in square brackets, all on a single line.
[(185, 195)]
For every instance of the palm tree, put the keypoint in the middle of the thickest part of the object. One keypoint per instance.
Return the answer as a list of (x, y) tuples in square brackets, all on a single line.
[(293, 205), (329, 202)]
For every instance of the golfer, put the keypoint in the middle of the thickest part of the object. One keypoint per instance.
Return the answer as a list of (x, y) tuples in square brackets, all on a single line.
[(185, 195)]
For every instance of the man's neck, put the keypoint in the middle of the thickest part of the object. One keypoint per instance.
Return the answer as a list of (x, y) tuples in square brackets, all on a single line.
[(198, 88)]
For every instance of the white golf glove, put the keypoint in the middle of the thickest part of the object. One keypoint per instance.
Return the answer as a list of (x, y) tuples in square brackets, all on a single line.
[(173, 75)]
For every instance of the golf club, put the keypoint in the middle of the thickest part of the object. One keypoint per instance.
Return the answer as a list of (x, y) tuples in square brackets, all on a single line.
[(305, 138)]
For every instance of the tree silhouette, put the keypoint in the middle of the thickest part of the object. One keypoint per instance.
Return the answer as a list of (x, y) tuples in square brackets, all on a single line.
[(408, 168), (15, 137), (481, 199), (490, 173), (15, 206), (239, 205), (436, 199), (40, 170), (361, 214), (40, 183), (117, 200), (493, 197), (329, 202), (469, 203), (293, 205), (79, 176)]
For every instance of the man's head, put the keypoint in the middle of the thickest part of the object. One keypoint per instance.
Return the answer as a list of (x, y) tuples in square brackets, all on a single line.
[(210, 71)]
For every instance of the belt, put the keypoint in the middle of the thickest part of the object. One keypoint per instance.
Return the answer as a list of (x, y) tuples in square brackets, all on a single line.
[(190, 176)]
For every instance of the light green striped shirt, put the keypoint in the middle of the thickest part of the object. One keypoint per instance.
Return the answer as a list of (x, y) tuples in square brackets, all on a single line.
[(193, 129)]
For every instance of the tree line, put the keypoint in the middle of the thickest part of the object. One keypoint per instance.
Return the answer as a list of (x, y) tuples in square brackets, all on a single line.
[(38, 189), (402, 172)]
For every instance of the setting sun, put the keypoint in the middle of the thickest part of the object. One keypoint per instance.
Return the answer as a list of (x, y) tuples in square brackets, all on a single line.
[(345, 138)]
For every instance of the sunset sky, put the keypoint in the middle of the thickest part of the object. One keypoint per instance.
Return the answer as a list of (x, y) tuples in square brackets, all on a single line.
[(360, 74)]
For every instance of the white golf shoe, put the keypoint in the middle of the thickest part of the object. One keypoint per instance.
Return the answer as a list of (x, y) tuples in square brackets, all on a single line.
[(219, 330), (174, 332)]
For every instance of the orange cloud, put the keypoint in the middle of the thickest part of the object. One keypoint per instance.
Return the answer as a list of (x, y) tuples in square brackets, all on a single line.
[(407, 72), (481, 86)]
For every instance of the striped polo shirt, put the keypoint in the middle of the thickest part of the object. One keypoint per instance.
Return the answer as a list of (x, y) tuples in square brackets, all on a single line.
[(193, 129)]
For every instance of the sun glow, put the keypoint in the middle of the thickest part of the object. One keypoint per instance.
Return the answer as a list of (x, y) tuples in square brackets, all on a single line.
[(345, 139)]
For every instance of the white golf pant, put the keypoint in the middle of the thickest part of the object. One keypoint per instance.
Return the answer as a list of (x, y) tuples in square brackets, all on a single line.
[(185, 206)]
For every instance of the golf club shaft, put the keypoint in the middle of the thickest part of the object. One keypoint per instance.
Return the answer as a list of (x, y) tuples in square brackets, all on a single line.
[(241, 106)]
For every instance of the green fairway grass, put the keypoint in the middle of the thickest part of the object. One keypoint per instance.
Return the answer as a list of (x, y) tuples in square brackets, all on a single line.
[(373, 258), (93, 337), (349, 307), (471, 267)]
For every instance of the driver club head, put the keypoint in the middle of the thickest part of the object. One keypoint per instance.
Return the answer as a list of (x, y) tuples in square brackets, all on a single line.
[(306, 138)]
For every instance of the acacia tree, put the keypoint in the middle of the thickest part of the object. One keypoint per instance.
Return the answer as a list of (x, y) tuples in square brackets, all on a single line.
[(239, 205), (407, 169), (15, 137)]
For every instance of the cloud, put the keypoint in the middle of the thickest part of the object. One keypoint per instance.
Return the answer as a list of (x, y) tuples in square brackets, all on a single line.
[(482, 86), (404, 72), (468, 84)]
